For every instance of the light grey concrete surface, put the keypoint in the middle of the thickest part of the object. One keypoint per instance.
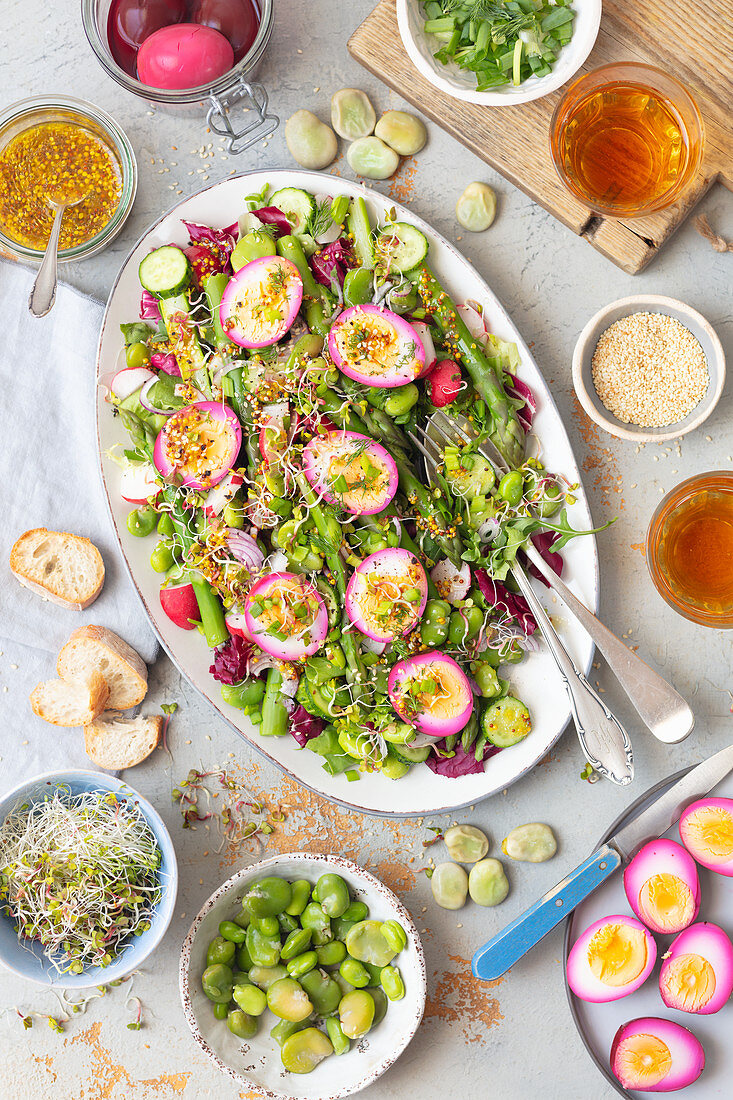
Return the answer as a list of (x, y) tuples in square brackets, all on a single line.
[(515, 1039)]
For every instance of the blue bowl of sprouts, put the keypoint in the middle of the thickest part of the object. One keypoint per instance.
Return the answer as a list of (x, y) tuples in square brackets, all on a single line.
[(88, 879)]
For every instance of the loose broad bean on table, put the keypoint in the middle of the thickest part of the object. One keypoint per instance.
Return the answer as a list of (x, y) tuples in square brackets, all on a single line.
[(531, 843), (466, 843)]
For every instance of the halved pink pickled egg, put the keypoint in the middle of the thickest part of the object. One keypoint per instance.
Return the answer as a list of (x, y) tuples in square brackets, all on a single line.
[(662, 886), (697, 973), (611, 959), (651, 1054), (706, 830)]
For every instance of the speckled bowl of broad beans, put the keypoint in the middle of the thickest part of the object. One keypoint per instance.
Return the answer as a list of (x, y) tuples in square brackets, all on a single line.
[(331, 1049), (702, 331)]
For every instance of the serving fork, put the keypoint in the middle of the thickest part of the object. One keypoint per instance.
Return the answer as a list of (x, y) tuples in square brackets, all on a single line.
[(604, 741)]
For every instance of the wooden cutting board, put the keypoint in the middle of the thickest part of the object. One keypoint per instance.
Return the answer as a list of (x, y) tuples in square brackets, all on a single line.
[(691, 39)]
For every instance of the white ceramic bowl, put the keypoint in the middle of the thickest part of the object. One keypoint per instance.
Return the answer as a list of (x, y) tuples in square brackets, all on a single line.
[(255, 1064), (647, 303), (461, 84)]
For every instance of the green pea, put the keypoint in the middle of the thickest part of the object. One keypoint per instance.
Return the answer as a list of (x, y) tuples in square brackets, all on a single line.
[(244, 959), (247, 694), (357, 911), (161, 559), (263, 950), (331, 954), (335, 1033), (464, 624), (394, 934), (264, 976), (166, 526), (487, 680), (220, 951), (551, 502), (268, 897), (332, 894), (315, 919), (299, 897), (241, 1025), (287, 924), (511, 487), (392, 983), (366, 943), (434, 623), (268, 926), (229, 930), (322, 990), (141, 521), (221, 1010), (216, 982), (380, 1005), (302, 1052), (137, 354), (358, 287), (401, 400), (296, 943), (301, 964), (354, 973), (356, 1013), (249, 998), (288, 1000), (283, 1029)]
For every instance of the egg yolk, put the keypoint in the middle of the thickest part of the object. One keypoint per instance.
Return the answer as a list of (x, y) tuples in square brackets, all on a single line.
[(641, 1061), (617, 954), (711, 832), (667, 901), (689, 982)]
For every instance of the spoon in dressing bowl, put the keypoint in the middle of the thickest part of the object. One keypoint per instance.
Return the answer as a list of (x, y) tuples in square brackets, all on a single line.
[(43, 294)]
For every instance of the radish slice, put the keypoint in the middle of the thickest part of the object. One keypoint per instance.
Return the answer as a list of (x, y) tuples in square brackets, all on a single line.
[(386, 595), (261, 302), (351, 470), (431, 357), (376, 347), (236, 623), (273, 441), (180, 605), (286, 616), (130, 380), (473, 321), (139, 483), (432, 693), (452, 584), (217, 498), (200, 444)]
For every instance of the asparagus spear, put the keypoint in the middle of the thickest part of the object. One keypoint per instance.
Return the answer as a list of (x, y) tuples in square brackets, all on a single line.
[(508, 433)]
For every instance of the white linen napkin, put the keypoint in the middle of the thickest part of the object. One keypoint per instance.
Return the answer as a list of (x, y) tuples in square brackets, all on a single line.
[(49, 468)]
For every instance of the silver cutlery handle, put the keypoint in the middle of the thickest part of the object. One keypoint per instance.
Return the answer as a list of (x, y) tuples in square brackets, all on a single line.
[(661, 708), (43, 294), (603, 739)]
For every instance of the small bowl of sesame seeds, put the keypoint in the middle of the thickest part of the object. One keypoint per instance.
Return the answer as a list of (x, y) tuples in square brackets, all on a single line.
[(648, 368)]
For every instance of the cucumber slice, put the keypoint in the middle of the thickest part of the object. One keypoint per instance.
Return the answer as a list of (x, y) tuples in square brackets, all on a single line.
[(165, 272), (297, 206), (411, 755), (410, 249), (304, 697), (506, 722)]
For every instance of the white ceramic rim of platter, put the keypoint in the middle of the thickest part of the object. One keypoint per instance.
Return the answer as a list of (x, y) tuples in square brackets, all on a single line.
[(447, 804), (346, 867), (570, 59)]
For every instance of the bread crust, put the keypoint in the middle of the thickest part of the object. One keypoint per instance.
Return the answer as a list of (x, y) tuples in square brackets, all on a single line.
[(50, 588), (73, 656)]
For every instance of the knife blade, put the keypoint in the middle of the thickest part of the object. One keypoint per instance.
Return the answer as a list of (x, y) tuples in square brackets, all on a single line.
[(521, 935)]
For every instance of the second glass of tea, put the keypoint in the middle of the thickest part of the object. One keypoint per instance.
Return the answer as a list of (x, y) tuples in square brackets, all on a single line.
[(626, 139)]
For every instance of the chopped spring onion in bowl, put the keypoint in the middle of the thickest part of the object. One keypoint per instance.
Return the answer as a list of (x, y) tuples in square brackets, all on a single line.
[(87, 879)]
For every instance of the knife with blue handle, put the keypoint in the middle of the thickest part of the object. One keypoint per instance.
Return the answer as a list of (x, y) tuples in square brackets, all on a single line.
[(499, 954)]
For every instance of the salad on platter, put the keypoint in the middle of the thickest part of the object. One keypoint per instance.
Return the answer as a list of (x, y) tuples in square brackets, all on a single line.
[(276, 390)]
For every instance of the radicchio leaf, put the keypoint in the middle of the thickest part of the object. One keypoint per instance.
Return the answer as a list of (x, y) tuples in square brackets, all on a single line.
[(543, 543), (522, 398), (498, 596), (462, 763), (231, 660), (331, 262), (270, 215), (303, 726), (149, 308), (224, 238), (165, 361)]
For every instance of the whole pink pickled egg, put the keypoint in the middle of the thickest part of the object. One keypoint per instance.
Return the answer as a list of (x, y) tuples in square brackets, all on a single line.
[(185, 55)]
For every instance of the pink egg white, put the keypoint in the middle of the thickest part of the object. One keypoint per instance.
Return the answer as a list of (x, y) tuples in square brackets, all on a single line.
[(386, 594), (662, 886), (612, 958), (376, 347), (651, 1054), (697, 972), (432, 693), (261, 301), (199, 444), (286, 616), (706, 830)]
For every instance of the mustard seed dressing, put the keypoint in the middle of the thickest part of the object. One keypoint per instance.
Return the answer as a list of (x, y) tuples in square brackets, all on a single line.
[(57, 162)]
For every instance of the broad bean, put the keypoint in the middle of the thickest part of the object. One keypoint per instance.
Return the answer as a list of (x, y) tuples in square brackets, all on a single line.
[(302, 1052), (332, 894), (394, 934), (265, 976), (354, 973), (289, 1000), (302, 964), (356, 1013), (220, 951), (366, 943), (531, 843), (487, 883), (392, 983), (370, 157), (449, 885), (216, 982), (335, 1033), (352, 114), (311, 143), (250, 998), (476, 207), (299, 897), (466, 843), (402, 131), (241, 1025), (322, 990)]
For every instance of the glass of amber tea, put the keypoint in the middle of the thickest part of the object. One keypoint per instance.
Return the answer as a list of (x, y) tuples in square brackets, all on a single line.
[(626, 139), (689, 549)]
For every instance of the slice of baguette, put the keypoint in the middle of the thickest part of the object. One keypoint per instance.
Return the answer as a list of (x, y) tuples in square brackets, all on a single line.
[(70, 702), (65, 568), (95, 647), (114, 743)]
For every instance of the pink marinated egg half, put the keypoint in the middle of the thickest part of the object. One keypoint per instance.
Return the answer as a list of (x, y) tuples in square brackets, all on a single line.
[(610, 959), (706, 830), (650, 1054), (697, 972), (185, 55), (662, 886)]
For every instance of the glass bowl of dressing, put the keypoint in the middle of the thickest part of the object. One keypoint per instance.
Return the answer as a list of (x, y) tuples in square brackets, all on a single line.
[(58, 148), (689, 549)]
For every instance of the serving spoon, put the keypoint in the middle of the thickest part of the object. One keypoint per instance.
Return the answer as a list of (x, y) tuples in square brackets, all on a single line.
[(43, 294)]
